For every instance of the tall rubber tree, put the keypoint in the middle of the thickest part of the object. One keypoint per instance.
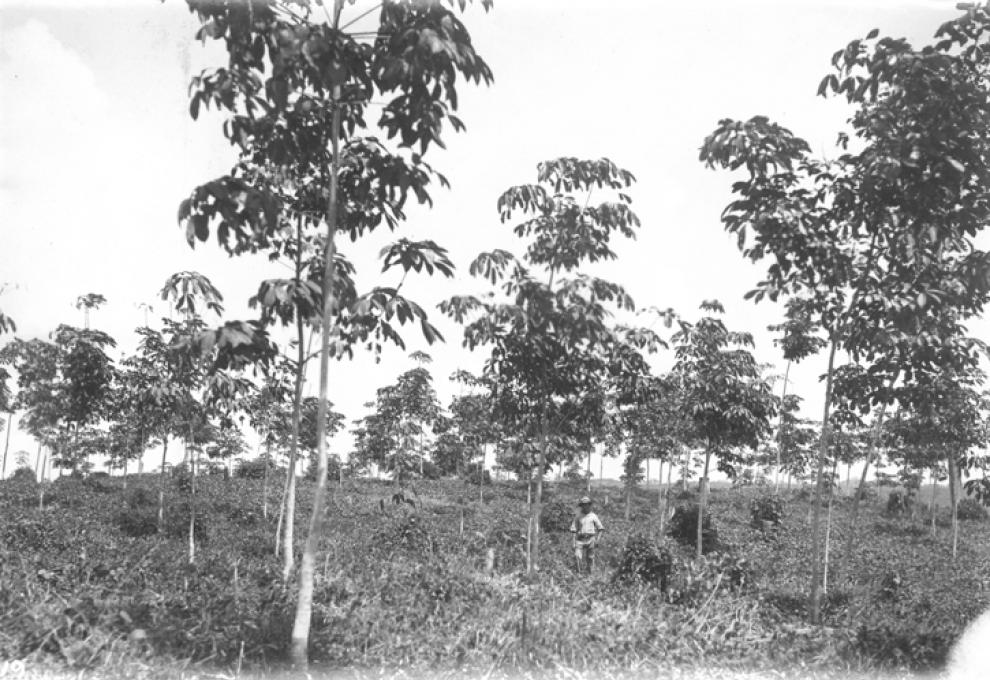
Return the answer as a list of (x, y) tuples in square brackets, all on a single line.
[(881, 239), (300, 82), (550, 334), (725, 398)]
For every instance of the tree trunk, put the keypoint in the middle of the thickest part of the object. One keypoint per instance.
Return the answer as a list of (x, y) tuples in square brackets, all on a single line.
[(814, 601), (125, 473), (660, 483), (953, 500), (828, 526), (666, 500), (37, 464), (529, 518), (534, 562), (703, 499), (299, 654), (287, 513), (780, 429), (588, 488), (629, 490), (6, 446), (161, 489), (192, 455), (264, 486), (687, 463), (931, 505)]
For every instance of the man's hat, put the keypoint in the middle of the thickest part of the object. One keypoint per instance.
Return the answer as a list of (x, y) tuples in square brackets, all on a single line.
[(584, 501)]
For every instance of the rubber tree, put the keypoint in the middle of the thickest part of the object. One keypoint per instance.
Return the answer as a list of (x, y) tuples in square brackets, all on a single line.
[(152, 383), (798, 340), (881, 238), (943, 418), (549, 332), (268, 415), (87, 303), (87, 376), (296, 90), (725, 398)]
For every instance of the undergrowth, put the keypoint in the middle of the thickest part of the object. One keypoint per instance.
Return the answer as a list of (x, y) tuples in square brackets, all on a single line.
[(88, 582)]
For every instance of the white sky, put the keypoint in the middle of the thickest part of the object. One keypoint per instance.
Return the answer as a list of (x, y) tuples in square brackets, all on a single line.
[(97, 149)]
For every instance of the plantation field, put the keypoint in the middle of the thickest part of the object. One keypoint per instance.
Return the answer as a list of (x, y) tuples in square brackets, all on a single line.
[(87, 586)]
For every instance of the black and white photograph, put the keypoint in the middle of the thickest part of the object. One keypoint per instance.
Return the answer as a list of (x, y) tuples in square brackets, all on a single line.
[(494, 340)]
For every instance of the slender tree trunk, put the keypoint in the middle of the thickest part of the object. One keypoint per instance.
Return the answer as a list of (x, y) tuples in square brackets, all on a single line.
[(780, 429), (37, 465), (814, 604), (629, 490), (125, 473), (534, 562), (41, 482), (931, 505), (660, 484), (666, 499), (264, 486), (587, 490), (288, 509), (6, 446), (953, 500), (529, 519), (281, 518), (703, 499), (299, 654), (481, 477), (687, 463), (161, 489), (828, 526), (191, 453)]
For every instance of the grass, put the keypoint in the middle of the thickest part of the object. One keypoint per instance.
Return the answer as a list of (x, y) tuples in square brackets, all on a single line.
[(406, 591)]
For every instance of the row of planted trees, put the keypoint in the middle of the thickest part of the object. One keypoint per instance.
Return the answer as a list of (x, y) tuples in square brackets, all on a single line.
[(874, 251)]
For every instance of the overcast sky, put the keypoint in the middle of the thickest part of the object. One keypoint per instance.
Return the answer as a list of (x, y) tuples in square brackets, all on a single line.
[(97, 149)]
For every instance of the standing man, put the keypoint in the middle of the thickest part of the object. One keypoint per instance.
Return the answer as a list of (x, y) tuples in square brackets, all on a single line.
[(586, 528)]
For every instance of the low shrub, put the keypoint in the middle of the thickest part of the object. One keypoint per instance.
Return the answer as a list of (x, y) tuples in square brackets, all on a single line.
[(137, 522), (643, 561), (472, 473), (177, 522), (142, 497), (556, 517), (254, 468), (23, 475), (869, 492), (767, 509), (971, 509), (899, 503), (99, 482), (684, 528), (432, 471)]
